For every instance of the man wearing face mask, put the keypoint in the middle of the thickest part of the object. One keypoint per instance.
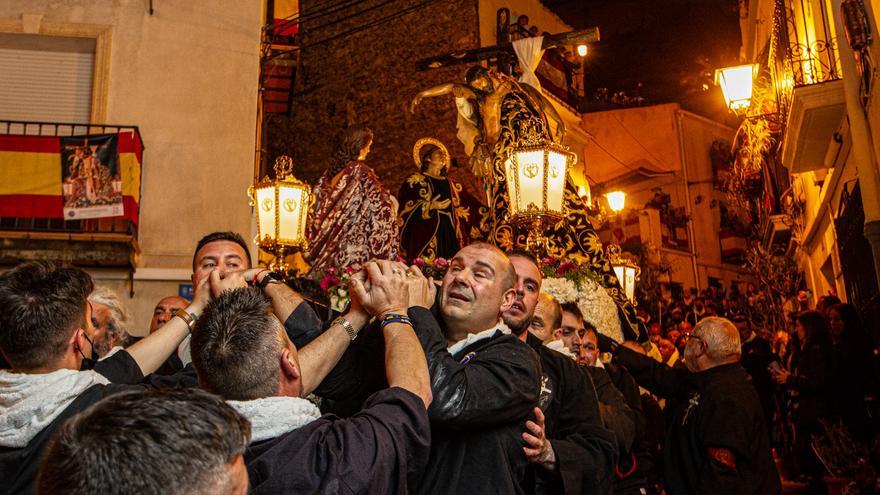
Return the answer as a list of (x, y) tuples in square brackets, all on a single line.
[(46, 335), (717, 441)]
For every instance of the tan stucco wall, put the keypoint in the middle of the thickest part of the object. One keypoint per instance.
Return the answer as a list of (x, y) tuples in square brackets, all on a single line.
[(187, 76), (649, 137)]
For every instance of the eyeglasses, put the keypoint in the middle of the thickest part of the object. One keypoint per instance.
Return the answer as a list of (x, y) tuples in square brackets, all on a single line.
[(688, 336)]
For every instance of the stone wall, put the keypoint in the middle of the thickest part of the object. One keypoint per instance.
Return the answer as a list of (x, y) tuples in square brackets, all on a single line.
[(370, 77)]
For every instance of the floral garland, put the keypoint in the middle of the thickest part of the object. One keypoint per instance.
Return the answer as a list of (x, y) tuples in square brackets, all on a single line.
[(569, 282), (336, 285)]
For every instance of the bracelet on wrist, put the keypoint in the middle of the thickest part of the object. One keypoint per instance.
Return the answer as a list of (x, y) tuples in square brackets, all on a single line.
[(347, 326), (188, 318), (389, 318)]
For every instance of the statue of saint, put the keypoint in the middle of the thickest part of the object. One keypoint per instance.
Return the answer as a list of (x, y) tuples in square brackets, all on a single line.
[(435, 212), (354, 218), (496, 114)]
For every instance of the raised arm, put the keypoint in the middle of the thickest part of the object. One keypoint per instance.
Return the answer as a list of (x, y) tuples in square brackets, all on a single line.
[(387, 299), (151, 351), (458, 90)]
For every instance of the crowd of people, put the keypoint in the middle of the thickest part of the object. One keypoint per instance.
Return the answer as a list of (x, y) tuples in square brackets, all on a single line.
[(478, 384)]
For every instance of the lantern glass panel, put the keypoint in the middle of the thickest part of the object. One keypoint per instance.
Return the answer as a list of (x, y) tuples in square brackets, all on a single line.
[(265, 204), (558, 168), (736, 84), (530, 175), (291, 224)]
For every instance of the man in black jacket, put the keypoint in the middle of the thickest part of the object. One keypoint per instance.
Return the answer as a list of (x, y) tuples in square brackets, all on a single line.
[(570, 451), (381, 449), (46, 335), (717, 442)]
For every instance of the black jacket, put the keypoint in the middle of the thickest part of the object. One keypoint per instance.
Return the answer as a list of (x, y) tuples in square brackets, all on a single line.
[(18, 466), (717, 442), (381, 449), (811, 380), (584, 448), (483, 396), (616, 414)]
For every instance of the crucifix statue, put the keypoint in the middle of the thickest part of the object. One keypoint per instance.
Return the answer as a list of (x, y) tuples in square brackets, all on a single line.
[(497, 113)]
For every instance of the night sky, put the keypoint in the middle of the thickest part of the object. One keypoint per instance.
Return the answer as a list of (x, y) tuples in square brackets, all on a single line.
[(670, 47)]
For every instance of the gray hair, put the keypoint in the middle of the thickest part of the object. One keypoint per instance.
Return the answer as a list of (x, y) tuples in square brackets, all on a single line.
[(120, 322), (721, 338)]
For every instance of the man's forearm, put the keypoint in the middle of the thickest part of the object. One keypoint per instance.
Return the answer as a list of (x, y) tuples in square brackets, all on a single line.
[(151, 351), (405, 364), (284, 299), (321, 355)]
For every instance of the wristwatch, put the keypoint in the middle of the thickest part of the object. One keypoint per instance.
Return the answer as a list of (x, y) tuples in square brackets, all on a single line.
[(188, 318), (347, 326), (270, 278)]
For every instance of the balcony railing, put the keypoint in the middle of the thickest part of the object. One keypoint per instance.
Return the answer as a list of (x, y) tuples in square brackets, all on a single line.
[(803, 46), (32, 200)]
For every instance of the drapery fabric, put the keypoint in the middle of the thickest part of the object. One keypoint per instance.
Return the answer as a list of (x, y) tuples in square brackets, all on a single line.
[(529, 53)]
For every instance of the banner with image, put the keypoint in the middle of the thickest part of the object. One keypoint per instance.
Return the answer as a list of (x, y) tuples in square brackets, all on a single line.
[(91, 182)]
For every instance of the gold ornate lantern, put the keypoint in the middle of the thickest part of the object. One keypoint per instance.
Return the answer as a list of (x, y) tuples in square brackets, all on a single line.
[(627, 271), (536, 178), (736, 84), (282, 208)]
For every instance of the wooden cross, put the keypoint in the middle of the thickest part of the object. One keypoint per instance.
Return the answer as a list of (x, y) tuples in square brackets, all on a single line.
[(588, 35)]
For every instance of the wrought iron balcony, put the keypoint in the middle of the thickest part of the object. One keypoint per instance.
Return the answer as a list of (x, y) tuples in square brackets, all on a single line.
[(69, 192)]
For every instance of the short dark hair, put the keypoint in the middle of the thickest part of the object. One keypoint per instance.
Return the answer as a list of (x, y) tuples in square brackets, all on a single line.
[(222, 236), (522, 253), (146, 441), (572, 308), (43, 303), (815, 329), (235, 346)]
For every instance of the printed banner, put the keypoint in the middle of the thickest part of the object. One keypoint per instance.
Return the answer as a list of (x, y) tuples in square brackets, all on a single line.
[(91, 183)]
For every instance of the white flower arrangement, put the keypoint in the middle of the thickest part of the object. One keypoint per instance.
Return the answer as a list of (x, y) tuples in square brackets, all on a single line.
[(591, 298)]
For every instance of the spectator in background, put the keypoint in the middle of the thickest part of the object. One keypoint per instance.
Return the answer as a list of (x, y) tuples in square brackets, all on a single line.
[(855, 375), (756, 358), (111, 322), (165, 309), (809, 381), (669, 353)]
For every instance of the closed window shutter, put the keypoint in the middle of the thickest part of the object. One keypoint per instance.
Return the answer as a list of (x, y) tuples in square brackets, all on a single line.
[(50, 80)]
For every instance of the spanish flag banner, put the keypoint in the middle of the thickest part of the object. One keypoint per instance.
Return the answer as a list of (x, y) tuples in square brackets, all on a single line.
[(95, 176)]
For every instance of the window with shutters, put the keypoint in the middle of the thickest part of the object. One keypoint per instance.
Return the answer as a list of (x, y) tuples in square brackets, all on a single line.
[(46, 78)]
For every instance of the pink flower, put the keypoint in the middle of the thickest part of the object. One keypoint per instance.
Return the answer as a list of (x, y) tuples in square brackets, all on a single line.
[(420, 262), (441, 263), (565, 267), (349, 270), (329, 281), (401, 259), (548, 261), (331, 271)]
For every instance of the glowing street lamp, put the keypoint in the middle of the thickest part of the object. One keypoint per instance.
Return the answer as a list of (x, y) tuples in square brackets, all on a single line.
[(616, 201), (736, 84), (582, 50), (282, 208)]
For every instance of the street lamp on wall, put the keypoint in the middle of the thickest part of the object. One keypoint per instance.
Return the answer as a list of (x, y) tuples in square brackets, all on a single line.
[(616, 200), (736, 85), (282, 208)]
